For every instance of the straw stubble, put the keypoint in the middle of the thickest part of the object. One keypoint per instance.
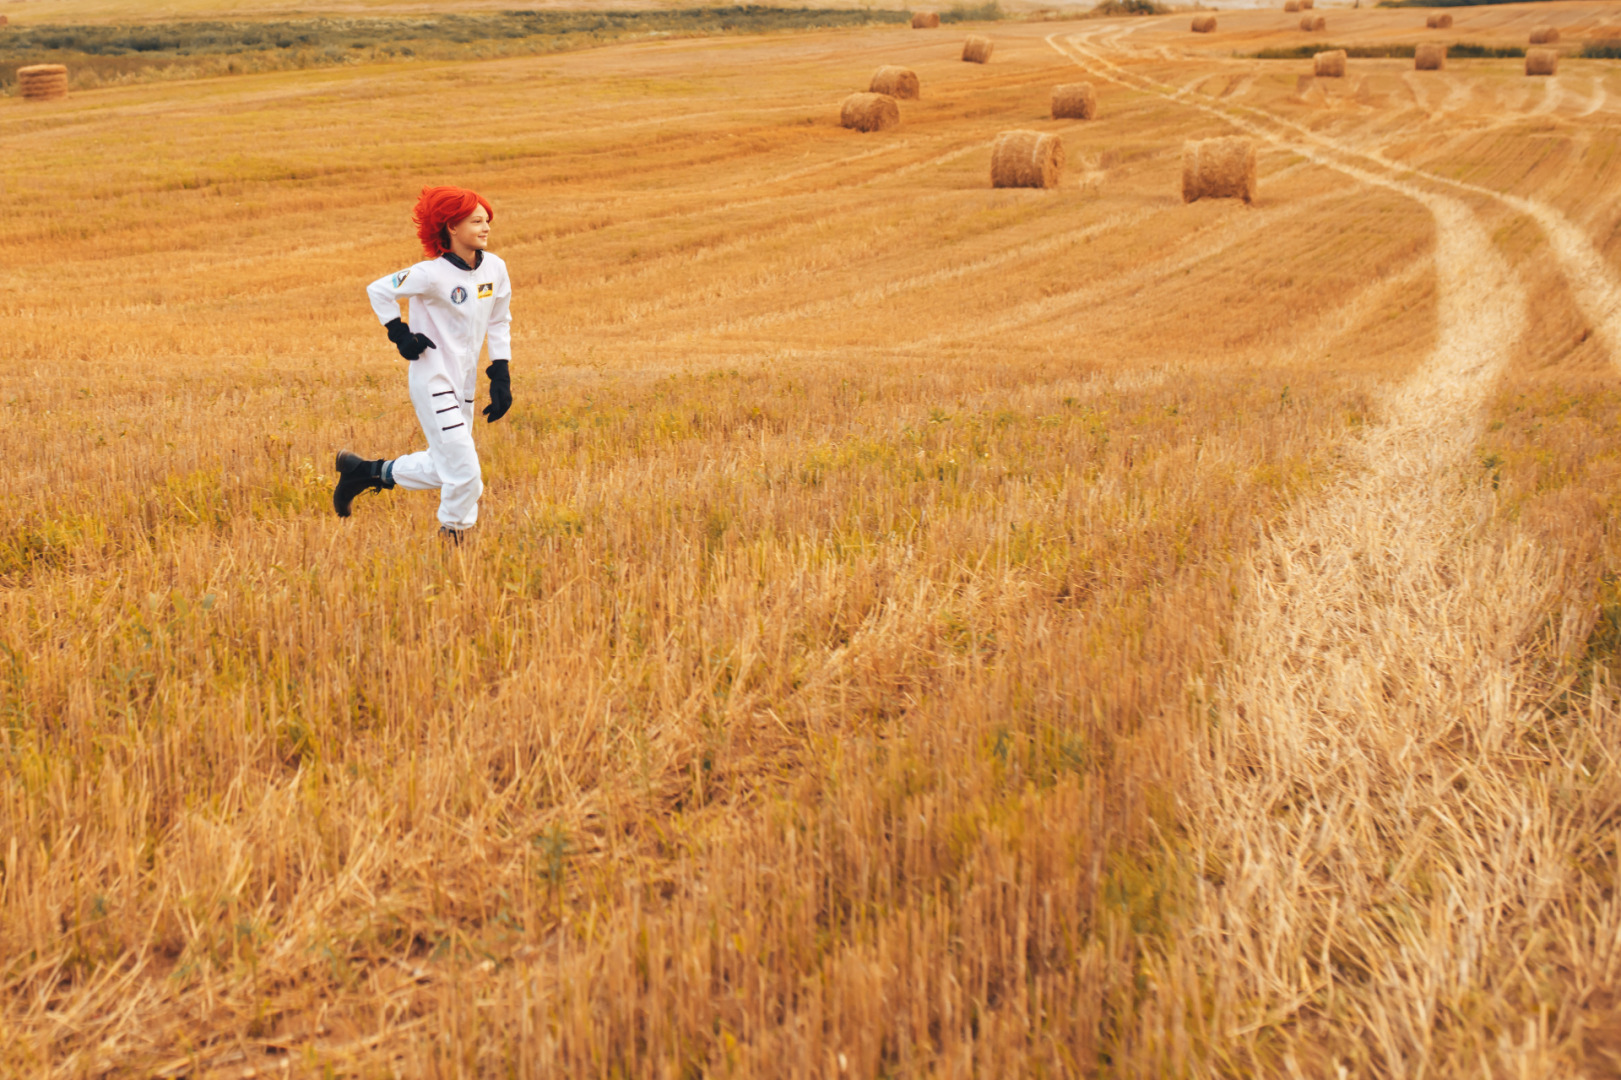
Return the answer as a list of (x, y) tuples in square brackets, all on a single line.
[(1370, 743)]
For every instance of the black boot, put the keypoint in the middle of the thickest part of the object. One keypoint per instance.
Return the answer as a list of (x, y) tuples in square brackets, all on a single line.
[(356, 474)]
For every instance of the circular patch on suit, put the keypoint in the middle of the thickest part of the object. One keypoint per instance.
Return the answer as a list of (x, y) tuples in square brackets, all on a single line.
[(458, 295)]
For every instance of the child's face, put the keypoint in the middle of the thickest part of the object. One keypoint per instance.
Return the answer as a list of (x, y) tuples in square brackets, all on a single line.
[(472, 231)]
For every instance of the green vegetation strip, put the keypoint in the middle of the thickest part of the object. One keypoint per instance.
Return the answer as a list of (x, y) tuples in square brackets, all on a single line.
[(97, 53), (1463, 50)]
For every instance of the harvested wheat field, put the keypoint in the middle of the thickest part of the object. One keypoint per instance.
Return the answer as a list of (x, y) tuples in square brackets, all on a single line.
[(913, 628)]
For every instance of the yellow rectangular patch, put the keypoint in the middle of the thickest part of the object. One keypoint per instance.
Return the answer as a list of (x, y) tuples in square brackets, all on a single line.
[(486, 290)]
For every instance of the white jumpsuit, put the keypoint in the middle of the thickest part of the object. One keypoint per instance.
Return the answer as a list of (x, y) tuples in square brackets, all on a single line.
[(455, 306)]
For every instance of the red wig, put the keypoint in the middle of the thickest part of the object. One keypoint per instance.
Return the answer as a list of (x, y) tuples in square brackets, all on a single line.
[(439, 209)]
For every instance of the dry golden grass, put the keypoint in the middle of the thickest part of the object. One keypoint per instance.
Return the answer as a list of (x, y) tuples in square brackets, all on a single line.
[(914, 628)]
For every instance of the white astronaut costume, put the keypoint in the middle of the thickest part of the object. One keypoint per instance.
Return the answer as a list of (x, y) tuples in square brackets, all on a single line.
[(456, 306)]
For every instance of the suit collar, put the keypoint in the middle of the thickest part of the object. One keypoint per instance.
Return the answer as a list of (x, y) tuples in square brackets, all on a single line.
[(461, 264)]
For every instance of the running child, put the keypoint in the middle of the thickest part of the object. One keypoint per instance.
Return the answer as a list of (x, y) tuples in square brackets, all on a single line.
[(458, 295)]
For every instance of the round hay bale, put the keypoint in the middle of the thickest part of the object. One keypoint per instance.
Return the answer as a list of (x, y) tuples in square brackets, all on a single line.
[(1541, 62), (925, 20), (1329, 65), (977, 50), (1311, 23), (1291, 6), (869, 112), (1218, 169), (1305, 5), (1430, 57), (1027, 159), (1074, 101), (897, 82), (43, 82), (1544, 35), (1439, 22), (1204, 24)]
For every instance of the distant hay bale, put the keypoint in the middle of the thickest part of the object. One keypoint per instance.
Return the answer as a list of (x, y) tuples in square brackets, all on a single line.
[(1074, 101), (1329, 65), (1292, 6), (925, 20), (1430, 57), (1313, 22), (1544, 35), (43, 82), (869, 112), (897, 82), (1218, 169), (1027, 159), (1204, 24), (1439, 22), (1541, 62), (1305, 5), (977, 50)]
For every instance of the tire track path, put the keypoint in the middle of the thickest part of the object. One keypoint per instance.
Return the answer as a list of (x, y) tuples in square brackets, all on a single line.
[(1369, 849)]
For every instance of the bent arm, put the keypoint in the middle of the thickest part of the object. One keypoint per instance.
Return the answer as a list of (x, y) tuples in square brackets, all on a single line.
[(386, 292)]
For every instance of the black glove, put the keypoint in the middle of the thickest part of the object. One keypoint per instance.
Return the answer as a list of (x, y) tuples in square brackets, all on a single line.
[(500, 391), (410, 345)]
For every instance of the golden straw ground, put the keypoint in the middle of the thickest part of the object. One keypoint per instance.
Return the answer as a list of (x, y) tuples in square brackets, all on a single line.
[(871, 567)]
